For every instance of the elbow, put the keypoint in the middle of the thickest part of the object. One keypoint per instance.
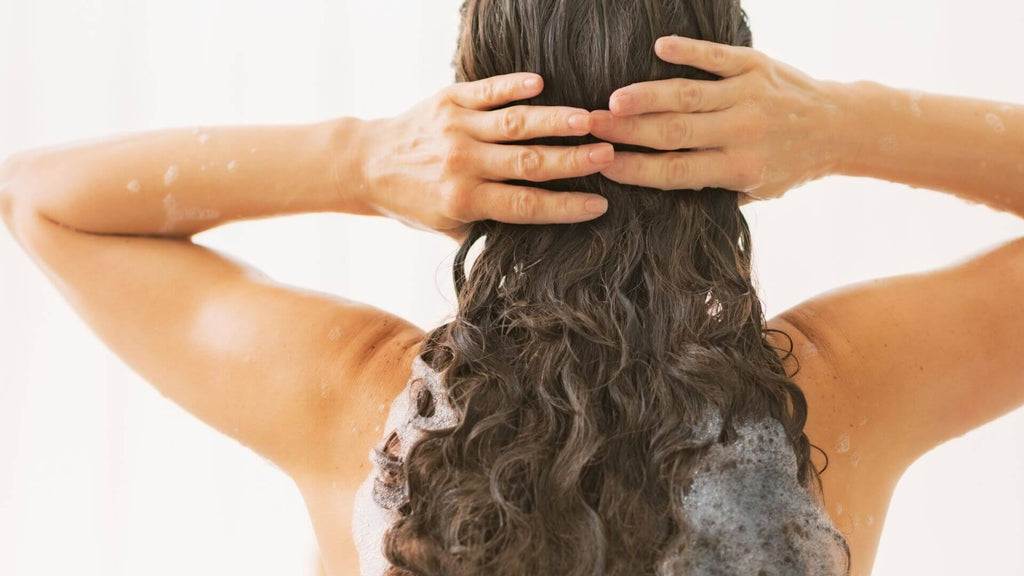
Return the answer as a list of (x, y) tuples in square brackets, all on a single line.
[(22, 178), (12, 172), (8, 171), (16, 207)]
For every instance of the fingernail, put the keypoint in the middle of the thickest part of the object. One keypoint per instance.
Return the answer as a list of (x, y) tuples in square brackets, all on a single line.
[(580, 122), (602, 154), (595, 205), (531, 82), (620, 103)]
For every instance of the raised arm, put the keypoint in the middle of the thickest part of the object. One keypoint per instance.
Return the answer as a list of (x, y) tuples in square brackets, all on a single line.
[(891, 367), (765, 128), (278, 368), (930, 355)]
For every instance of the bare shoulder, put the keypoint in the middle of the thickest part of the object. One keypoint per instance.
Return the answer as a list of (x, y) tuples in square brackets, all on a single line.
[(357, 425), (893, 367), (360, 413), (859, 475)]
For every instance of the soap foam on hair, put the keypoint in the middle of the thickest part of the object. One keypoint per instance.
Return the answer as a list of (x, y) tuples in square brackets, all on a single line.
[(749, 514)]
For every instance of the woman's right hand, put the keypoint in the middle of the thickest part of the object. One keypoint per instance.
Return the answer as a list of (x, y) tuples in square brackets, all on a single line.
[(762, 130), (444, 163)]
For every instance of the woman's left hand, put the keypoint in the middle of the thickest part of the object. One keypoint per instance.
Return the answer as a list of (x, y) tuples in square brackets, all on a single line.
[(441, 165), (762, 130)]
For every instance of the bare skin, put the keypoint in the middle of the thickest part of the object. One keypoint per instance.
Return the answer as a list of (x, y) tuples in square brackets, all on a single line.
[(891, 367)]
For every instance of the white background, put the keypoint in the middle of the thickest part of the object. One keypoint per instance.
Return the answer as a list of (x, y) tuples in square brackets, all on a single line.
[(101, 475)]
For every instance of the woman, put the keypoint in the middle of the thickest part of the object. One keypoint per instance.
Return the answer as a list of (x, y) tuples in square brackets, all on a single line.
[(609, 398)]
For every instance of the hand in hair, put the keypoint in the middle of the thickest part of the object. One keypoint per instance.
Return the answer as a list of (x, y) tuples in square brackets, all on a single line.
[(763, 129), (441, 165)]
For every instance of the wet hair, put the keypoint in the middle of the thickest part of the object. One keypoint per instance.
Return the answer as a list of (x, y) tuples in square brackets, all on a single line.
[(583, 357)]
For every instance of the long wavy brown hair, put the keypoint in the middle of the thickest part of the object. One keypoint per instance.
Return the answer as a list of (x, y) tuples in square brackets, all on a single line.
[(582, 356)]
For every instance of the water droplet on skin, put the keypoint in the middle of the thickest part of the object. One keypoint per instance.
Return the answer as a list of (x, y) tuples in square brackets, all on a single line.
[(171, 175), (325, 388), (380, 407), (871, 519), (376, 428), (252, 150), (995, 122), (839, 508), (335, 334), (134, 187), (204, 138), (888, 143), (792, 117), (843, 444), (915, 102), (202, 168), (174, 213), (1006, 107), (863, 421), (235, 430), (232, 165), (854, 458)]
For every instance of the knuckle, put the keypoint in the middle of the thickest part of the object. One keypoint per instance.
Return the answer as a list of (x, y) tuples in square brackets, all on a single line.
[(448, 95), (691, 97), (524, 204), (717, 55), (677, 172), (454, 158), (446, 119), (677, 132), (529, 163), (486, 92), (512, 124), (576, 160), (455, 202), (555, 121)]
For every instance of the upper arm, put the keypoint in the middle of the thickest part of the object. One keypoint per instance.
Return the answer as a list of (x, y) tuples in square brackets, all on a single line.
[(925, 357), (277, 368)]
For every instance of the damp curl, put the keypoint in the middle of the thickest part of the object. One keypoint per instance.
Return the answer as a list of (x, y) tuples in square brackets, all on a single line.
[(583, 357)]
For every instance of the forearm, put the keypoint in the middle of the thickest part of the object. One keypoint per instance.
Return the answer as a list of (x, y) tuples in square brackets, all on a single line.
[(181, 181), (968, 147)]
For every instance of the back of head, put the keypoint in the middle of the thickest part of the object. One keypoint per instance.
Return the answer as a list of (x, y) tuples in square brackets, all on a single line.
[(587, 361)]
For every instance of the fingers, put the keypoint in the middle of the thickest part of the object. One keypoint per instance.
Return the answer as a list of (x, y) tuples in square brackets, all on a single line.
[(540, 163), (527, 122), (675, 95), (524, 205), (678, 170), (722, 59), (663, 131), (496, 90)]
